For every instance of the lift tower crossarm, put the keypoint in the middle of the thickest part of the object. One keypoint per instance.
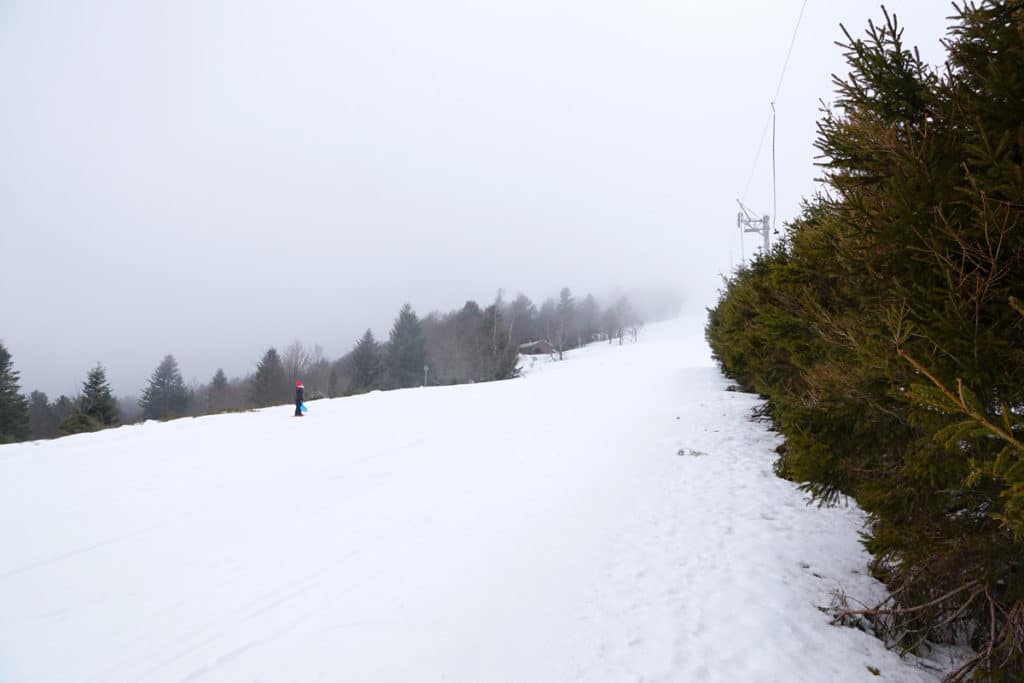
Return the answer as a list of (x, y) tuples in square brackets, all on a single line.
[(747, 221)]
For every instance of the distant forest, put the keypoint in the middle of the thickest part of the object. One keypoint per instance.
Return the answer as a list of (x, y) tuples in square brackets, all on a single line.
[(471, 344), (887, 333)]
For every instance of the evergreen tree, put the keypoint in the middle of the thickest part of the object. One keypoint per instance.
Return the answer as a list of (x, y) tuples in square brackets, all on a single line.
[(41, 416), (886, 333), (472, 343), (14, 422), (97, 401), (269, 385), (406, 350), (217, 391), (367, 364), (166, 396), (78, 422)]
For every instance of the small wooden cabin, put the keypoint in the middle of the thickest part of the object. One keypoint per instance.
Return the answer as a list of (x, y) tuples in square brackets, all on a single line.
[(535, 348)]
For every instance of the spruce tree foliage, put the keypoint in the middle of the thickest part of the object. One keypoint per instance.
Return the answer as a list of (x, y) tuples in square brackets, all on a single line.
[(216, 396), (14, 422), (165, 397), (269, 385), (367, 365), (469, 345), (77, 423), (406, 352), (97, 401), (42, 417), (887, 334)]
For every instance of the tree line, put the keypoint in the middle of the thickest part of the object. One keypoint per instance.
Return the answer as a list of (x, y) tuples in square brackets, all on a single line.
[(887, 334), (471, 344)]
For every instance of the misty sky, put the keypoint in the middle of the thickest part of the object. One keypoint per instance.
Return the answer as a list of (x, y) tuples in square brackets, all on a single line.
[(209, 179)]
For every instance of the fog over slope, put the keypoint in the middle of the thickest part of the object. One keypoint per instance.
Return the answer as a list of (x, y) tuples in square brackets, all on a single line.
[(209, 180)]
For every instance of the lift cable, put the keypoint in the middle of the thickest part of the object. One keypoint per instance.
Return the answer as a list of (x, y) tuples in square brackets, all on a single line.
[(764, 132), (789, 52)]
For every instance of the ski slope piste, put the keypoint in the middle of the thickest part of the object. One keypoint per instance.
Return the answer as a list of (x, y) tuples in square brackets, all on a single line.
[(609, 517)]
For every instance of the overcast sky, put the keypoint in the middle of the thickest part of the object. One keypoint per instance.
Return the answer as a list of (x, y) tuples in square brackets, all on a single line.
[(209, 179)]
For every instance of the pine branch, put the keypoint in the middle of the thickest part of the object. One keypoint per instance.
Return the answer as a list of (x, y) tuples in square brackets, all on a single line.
[(960, 401)]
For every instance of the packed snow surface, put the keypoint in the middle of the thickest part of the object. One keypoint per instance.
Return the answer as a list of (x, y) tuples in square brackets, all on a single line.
[(609, 517)]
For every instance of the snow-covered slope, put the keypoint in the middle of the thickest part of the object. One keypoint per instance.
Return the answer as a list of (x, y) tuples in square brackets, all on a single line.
[(612, 517)]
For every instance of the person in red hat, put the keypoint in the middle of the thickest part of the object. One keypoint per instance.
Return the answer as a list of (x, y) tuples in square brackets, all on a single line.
[(298, 398)]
